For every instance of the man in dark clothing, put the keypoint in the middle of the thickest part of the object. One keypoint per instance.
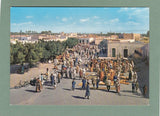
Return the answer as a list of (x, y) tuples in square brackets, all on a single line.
[(52, 79), (144, 90), (87, 91), (83, 83), (133, 86), (97, 82)]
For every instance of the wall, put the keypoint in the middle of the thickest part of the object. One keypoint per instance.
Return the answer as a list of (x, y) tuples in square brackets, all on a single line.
[(131, 46), (98, 41), (131, 36)]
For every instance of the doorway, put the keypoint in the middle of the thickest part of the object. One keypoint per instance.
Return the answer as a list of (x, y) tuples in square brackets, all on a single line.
[(125, 53), (113, 52)]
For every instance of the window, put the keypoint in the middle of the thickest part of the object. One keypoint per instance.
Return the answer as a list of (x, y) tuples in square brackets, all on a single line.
[(87, 41), (83, 41)]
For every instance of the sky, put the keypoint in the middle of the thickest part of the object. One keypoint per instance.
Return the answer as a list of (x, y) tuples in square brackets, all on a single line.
[(80, 19)]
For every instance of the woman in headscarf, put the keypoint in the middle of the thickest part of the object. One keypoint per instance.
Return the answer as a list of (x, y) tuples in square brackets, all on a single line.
[(38, 85)]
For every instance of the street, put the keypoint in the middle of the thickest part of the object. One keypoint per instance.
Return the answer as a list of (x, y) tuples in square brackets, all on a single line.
[(63, 95)]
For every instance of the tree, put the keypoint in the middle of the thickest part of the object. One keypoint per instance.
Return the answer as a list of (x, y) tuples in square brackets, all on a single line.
[(40, 51), (32, 55), (16, 53), (46, 32), (71, 42)]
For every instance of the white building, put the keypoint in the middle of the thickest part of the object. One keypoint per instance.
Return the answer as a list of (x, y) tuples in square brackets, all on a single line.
[(86, 40), (25, 38)]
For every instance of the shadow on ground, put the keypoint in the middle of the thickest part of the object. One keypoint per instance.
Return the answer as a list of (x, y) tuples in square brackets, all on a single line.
[(47, 83), (33, 91), (78, 97), (132, 96), (66, 89), (50, 88)]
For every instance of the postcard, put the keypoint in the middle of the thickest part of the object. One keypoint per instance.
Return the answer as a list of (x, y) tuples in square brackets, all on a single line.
[(79, 56)]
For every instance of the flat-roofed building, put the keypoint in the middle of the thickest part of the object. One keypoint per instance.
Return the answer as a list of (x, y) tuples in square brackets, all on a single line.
[(86, 40), (114, 37), (123, 48), (131, 35), (98, 40)]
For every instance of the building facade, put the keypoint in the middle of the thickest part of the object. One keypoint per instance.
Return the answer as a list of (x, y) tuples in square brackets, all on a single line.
[(116, 48), (86, 40), (98, 40), (131, 36)]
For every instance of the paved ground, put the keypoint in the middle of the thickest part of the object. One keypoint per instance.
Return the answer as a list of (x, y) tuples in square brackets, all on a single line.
[(63, 95)]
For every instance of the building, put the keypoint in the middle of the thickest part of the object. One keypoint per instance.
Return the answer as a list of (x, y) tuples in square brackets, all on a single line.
[(123, 48), (114, 37), (145, 51), (86, 40), (98, 40), (25, 38), (131, 36), (13, 41), (72, 35), (20, 37)]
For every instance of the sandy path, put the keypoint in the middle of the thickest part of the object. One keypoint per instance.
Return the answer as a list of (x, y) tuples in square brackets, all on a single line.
[(33, 72)]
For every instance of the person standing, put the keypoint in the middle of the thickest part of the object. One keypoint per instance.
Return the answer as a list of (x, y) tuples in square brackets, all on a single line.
[(41, 78), (115, 79), (84, 72), (144, 90), (70, 73), (135, 77), (74, 62), (22, 69), (62, 70), (94, 82), (118, 86), (80, 73), (77, 69), (130, 75), (97, 83), (105, 77), (87, 91), (55, 78), (133, 86), (83, 83), (62, 73), (55, 61), (108, 84), (74, 73), (59, 77), (47, 74), (38, 85), (67, 75), (73, 84), (137, 86), (52, 79)]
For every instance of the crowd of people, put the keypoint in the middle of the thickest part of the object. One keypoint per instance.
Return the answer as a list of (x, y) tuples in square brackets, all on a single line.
[(75, 63)]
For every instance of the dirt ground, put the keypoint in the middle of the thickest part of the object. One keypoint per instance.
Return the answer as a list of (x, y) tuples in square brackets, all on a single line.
[(27, 76)]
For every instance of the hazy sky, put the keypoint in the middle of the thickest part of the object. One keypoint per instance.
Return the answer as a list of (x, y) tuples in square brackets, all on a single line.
[(80, 19)]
